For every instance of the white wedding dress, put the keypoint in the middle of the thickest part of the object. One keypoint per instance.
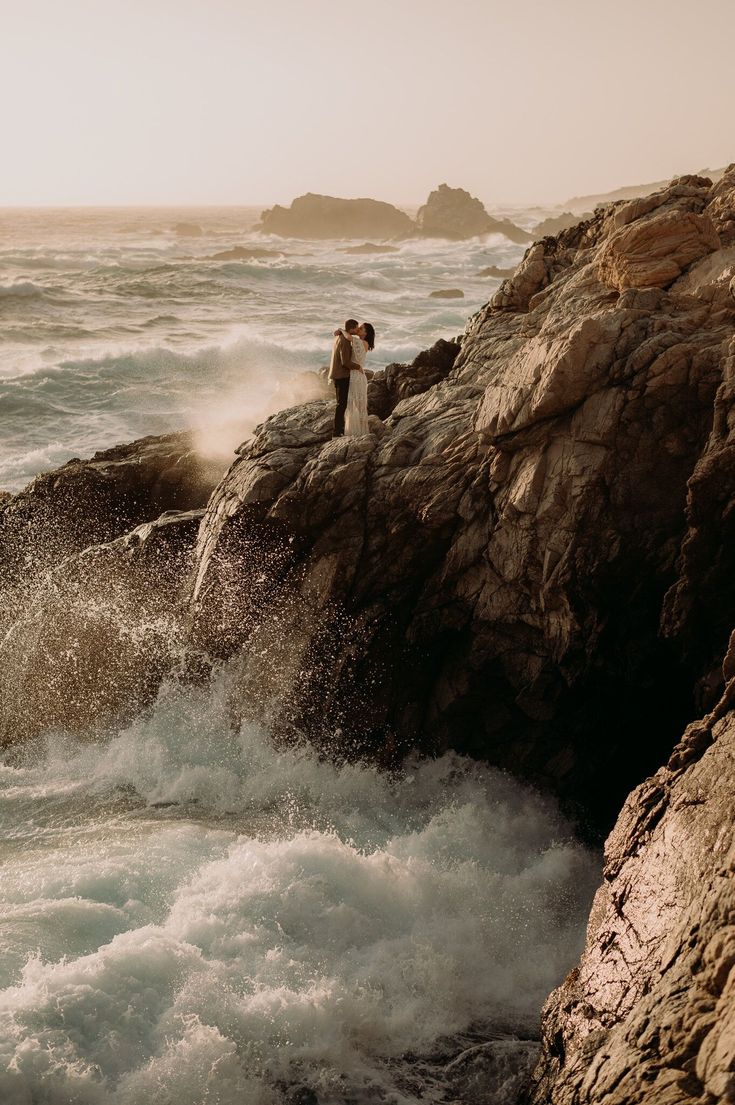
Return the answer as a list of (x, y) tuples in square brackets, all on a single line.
[(356, 415)]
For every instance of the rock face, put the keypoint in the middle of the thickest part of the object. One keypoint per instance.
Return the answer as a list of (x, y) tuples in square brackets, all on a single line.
[(87, 613), (313, 216), (454, 213), (648, 1017), (487, 569)]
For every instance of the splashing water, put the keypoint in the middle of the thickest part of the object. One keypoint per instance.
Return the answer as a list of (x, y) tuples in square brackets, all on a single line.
[(193, 915)]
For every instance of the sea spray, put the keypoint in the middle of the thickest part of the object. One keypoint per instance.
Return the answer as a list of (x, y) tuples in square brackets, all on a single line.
[(199, 915)]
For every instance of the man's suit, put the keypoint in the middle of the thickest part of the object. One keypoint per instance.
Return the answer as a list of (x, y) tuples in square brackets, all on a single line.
[(339, 373)]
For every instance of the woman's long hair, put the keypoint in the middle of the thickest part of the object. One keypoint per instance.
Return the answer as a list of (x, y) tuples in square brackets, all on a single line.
[(369, 334)]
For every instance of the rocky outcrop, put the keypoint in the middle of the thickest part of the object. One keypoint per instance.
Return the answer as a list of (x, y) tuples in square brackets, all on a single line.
[(88, 502), (453, 213), (313, 216), (448, 213), (648, 1017), (554, 224), (487, 570), (447, 293), (90, 583)]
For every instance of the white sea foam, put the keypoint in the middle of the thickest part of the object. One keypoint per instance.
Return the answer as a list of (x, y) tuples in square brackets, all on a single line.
[(285, 921)]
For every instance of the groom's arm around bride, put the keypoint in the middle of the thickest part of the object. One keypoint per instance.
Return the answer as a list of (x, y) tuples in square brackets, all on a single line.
[(339, 372)]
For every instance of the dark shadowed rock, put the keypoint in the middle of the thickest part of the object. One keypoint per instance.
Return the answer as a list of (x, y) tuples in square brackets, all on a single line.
[(85, 612), (447, 293), (648, 1017), (313, 216), (87, 502), (94, 636), (453, 213)]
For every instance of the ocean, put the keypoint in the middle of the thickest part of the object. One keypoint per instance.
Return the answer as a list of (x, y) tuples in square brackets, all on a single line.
[(115, 324), (191, 914)]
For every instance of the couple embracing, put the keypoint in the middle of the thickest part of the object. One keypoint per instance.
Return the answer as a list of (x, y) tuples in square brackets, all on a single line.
[(347, 372)]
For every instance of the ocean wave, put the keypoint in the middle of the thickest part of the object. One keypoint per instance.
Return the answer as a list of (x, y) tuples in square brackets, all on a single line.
[(255, 915), (21, 289)]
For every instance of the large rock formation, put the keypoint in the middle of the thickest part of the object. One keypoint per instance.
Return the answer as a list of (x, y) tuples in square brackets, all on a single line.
[(487, 569), (448, 213), (313, 216), (86, 613), (454, 213)]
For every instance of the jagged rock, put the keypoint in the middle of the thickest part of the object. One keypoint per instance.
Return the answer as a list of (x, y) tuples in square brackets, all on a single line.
[(654, 252), (489, 573), (85, 620), (88, 502), (497, 1071), (313, 216), (447, 293), (648, 1017), (454, 213)]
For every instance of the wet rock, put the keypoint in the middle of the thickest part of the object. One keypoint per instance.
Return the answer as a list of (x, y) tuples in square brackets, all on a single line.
[(88, 502), (497, 1072), (648, 1016), (447, 293), (94, 637)]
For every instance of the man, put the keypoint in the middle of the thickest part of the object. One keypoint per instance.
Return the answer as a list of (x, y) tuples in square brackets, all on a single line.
[(339, 371)]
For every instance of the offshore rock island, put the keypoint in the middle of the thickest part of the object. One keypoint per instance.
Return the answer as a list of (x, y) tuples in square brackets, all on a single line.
[(528, 560), (450, 213)]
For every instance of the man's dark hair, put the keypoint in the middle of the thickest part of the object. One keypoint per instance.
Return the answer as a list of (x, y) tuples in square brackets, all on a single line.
[(351, 324)]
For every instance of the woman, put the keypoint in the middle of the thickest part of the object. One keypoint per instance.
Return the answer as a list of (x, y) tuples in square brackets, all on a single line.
[(356, 416)]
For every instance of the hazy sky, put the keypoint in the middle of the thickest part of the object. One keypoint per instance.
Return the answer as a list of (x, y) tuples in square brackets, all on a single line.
[(256, 101)]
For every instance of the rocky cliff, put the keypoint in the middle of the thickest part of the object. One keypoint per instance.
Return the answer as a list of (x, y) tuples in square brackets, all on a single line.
[(488, 569), (529, 559)]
